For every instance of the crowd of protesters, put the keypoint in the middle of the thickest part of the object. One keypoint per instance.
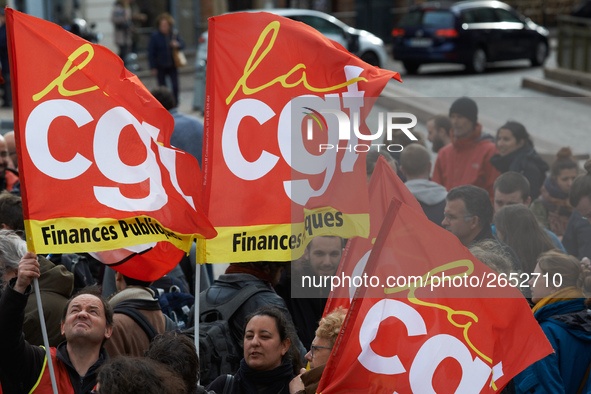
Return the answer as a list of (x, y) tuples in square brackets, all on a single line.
[(515, 212)]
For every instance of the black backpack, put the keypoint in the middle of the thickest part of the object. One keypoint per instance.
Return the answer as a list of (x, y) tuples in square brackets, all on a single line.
[(174, 302), (218, 353), (79, 265)]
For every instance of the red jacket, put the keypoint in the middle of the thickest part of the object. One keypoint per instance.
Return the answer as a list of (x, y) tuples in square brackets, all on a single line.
[(466, 161), (62, 378)]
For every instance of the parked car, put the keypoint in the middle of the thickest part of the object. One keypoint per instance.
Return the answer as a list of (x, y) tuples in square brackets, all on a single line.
[(361, 43), (472, 33)]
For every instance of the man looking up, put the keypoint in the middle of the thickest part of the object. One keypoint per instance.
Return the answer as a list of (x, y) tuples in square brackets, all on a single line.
[(466, 161), (87, 322)]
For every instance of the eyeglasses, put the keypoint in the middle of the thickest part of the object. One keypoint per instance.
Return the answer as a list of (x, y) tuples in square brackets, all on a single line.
[(453, 217), (314, 347)]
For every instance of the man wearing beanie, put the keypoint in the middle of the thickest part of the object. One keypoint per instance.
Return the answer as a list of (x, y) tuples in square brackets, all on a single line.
[(466, 161)]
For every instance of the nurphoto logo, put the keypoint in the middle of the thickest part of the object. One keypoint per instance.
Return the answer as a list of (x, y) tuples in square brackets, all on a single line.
[(322, 119)]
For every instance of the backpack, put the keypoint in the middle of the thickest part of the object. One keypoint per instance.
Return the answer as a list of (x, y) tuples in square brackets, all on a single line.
[(218, 353), (129, 310), (77, 264), (174, 303)]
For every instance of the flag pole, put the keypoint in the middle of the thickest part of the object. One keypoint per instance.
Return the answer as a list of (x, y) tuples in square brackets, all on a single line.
[(196, 318), (44, 332)]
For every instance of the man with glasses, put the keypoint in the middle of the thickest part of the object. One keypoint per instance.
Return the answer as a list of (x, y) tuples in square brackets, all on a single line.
[(468, 215)]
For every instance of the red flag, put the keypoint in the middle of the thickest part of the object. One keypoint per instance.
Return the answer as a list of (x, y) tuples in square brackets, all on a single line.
[(402, 336), (277, 170), (96, 166), (383, 186)]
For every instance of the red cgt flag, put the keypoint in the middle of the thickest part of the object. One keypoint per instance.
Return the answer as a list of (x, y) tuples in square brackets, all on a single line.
[(279, 167), (97, 170), (383, 186), (412, 331)]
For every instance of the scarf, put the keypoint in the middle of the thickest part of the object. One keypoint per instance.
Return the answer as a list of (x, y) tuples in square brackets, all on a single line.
[(274, 381), (554, 190), (568, 293)]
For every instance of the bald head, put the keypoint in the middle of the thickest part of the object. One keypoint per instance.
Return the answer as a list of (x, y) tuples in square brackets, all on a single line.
[(415, 162)]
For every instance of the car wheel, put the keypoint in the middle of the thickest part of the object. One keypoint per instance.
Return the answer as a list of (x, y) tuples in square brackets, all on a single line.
[(478, 63), (371, 58), (540, 54), (411, 67)]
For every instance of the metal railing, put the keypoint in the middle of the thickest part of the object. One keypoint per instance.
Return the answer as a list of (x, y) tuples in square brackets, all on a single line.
[(574, 43)]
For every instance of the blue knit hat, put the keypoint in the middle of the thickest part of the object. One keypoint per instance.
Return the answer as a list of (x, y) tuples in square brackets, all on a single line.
[(465, 106)]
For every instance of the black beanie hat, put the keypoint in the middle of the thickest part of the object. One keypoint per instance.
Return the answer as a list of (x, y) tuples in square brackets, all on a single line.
[(466, 107)]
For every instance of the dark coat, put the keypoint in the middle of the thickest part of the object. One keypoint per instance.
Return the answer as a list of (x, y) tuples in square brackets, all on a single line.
[(307, 305), (577, 236), (527, 162), (160, 51), (227, 285), (56, 284)]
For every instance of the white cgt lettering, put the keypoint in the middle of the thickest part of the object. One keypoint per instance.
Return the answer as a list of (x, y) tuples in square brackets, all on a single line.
[(106, 141), (382, 310), (475, 372), (233, 157), (37, 132)]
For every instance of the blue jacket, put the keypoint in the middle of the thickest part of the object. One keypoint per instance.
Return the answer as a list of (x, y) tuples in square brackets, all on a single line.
[(187, 134), (567, 325), (577, 236)]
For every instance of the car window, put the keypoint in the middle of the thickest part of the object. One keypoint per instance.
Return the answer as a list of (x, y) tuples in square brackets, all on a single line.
[(507, 16), (479, 15), (435, 18), (322, 25)]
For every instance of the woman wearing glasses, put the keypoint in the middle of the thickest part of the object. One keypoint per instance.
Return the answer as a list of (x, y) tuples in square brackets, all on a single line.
[(326, 336), (270, 361)]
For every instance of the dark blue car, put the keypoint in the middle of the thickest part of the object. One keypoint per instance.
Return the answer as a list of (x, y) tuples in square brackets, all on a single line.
[(472, 33)]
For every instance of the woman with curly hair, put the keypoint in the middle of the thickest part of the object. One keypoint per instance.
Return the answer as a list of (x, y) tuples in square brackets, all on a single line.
[(326, 336)]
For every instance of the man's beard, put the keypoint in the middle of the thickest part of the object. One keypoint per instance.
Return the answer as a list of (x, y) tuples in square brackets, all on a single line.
[(437, 144)]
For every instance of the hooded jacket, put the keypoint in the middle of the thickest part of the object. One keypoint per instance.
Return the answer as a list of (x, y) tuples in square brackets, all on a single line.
[(567, 325), (431, 196), (128, 337), (466, 161), (527, 162), (56, 284)]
